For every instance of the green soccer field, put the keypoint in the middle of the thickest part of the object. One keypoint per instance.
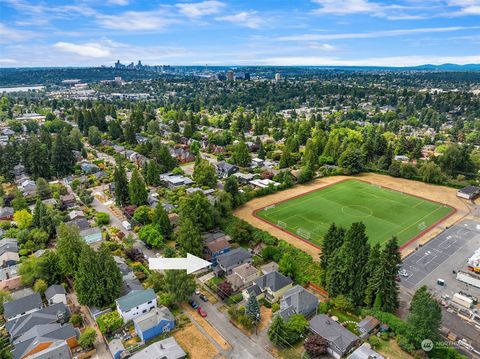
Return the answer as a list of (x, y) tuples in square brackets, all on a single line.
[(384, 212)]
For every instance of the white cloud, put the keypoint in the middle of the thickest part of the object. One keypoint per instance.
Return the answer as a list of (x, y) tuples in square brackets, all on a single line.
[(373, 34), (397, 61), (8, 61), (322, 47), (118, 2), (465, 8), (346, 7), (11, 34), (200, 8), (86, 50), (137, 21), (248, 19)]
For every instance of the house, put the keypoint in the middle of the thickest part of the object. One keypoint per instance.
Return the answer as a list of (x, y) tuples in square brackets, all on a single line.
[(367, 326), (183, 155), (225, 169), (163, 349), (88, 167), (56, 294), (298, 300), (340, 340), (10, 278), (215, 248), (242, 276), (257, 162), (130, 281), (6, 213), (136, 303), (174, 181), (23, 306), (233, 258), (68, 200), (91, 235), (269, 267), (116, 348), (365, 351), (59, 349), (270, 287), (469, 192), (264, 183), (151, 324), (42, 337), (28, 188), (76, 214), (244, 177), (56, 313), (8, 252)]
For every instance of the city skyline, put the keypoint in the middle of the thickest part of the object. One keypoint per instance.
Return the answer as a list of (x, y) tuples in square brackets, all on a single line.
[(280, 33)]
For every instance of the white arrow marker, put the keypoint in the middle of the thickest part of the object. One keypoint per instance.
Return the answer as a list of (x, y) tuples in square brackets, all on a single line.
[(191, 263)]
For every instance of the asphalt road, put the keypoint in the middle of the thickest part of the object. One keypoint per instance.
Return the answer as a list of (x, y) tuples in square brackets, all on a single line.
[(242, 346), (116, 222)]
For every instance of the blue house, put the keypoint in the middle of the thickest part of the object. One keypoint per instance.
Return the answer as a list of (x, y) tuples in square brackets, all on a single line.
[(157, 321), (215, 248)]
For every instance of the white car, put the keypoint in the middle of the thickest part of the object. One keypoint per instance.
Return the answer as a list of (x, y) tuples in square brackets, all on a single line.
[(403, 273)]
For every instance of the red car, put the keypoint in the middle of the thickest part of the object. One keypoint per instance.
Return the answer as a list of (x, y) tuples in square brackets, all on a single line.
[(201, 312)]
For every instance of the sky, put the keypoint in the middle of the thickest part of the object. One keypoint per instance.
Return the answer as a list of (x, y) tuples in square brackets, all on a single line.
[(223, 32)]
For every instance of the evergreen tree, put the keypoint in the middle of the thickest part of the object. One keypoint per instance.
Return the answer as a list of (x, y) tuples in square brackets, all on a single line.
[(152, 174), (382, 286), (189, 237), (241, 155), (19, 202), (373, 264), (69, 248), (121, 185), (204, 174), (179, 284), (137, 190), (231, 186), (252, 309), (425, 317), (87, 278), (62, 160), (129, 133), (160, 219), (110, 279), (277, 331), (197, 207), (332, 241)]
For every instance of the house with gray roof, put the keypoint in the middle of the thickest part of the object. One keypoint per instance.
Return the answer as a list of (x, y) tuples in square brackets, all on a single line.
[(57, 313), (365, 351), (136, 303), (228, 261), (23, 306), (225, 169), (340, 340), (59, 349), (56, 294), (42, 337), (298, 300), (130, 281), (156, 322), (163, 349), (270, 287)]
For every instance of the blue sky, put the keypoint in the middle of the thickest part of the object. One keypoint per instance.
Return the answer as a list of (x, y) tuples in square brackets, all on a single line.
[(223, 32)]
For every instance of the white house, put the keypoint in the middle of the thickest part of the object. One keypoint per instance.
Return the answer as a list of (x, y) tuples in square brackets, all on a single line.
[(136, 303), (56, 294)]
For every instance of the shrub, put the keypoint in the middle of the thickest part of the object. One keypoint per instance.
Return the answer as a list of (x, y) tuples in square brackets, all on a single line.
[(374, 341), (87, 338), (109, 322), (102, 219), (76, 320)]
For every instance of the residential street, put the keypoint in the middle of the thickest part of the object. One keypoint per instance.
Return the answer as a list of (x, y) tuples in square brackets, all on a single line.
[(117, 222), (243, 346)]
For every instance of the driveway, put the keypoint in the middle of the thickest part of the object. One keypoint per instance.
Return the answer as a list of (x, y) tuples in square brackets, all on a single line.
[(242, 346)]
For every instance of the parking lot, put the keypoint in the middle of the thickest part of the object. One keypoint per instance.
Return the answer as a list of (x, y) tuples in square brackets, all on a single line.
[(439, 258)]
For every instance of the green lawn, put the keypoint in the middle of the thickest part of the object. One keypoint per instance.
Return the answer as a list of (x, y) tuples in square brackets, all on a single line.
[(384, 212)]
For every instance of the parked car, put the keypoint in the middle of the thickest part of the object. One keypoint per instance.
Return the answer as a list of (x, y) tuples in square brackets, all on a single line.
[(201, 312), (203, 297), (197, 291), (193, 304)]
